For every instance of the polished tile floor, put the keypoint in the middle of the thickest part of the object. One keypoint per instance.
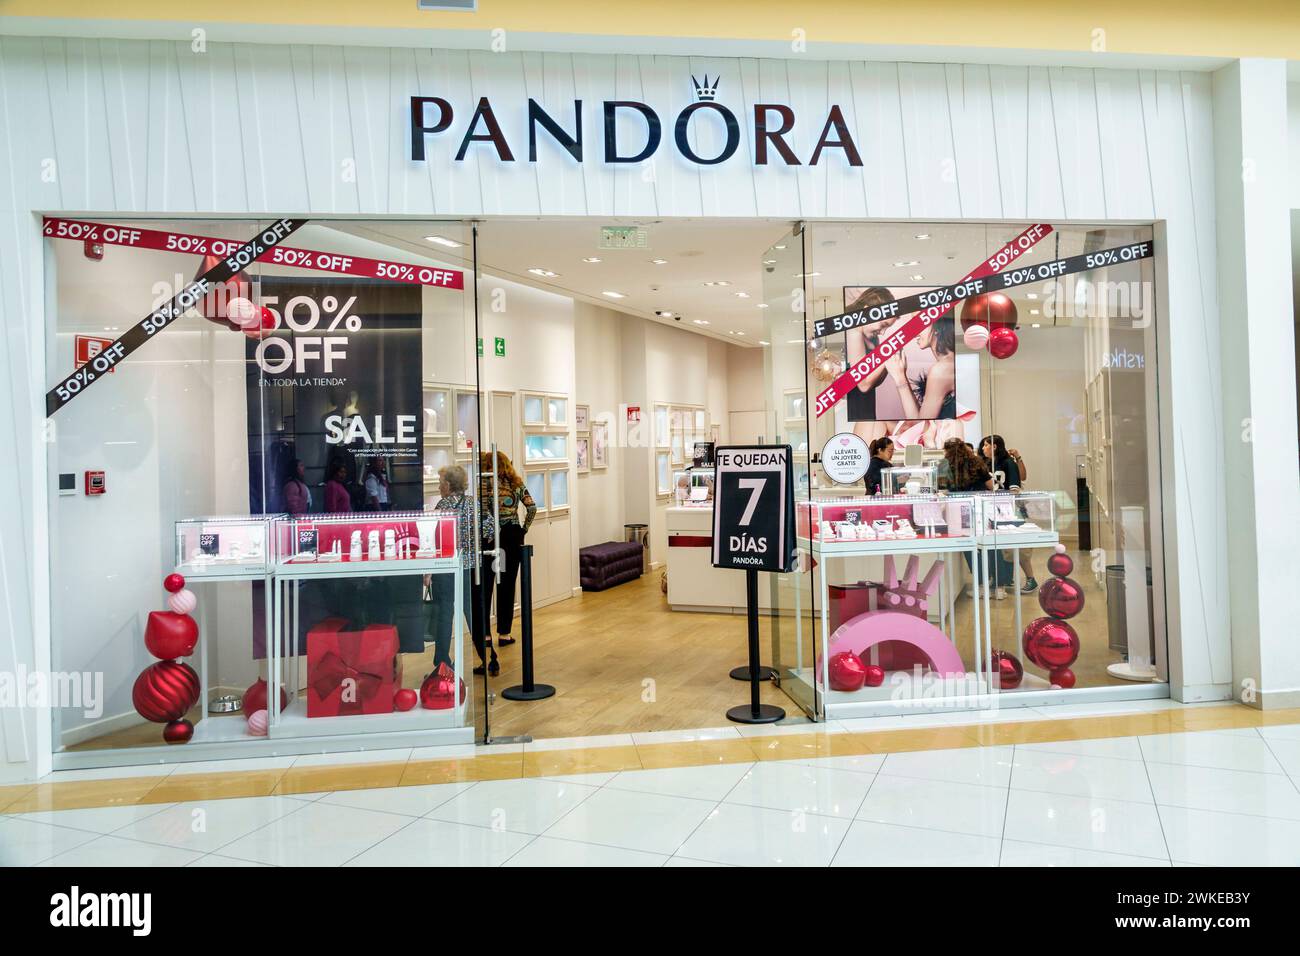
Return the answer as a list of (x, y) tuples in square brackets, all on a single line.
[(1142, 784)]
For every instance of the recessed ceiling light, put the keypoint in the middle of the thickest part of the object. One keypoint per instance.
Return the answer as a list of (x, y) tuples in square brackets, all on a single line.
[(544, 273), (806, 275), (443, 241), (1033, 311), (614, 295), (922, 235), (662, 313), (1035, 326), (778, 247), (761, 342), (917, 278), (1031, 295), (907, 262), (700, 321), (762, 305), (734, 332), (742, 295), (658, 262), (769, 262), (794, 341), (717, 282), (592, 259)]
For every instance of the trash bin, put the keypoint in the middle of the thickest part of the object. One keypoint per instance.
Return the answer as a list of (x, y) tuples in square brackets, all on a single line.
[(1117, 608), (640, 533)]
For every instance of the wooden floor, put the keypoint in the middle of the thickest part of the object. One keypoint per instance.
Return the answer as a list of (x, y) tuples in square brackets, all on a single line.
[(623, 662)]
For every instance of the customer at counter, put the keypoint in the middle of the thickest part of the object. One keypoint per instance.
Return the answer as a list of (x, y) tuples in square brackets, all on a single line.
[(882, 455)]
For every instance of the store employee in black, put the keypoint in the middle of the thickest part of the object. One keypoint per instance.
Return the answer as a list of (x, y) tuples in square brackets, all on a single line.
[(882, 454)]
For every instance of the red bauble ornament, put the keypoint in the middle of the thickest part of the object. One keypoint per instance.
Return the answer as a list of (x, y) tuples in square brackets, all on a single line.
[(1028, 637), (255, 698), (213, 305), (165, 691), (1003, 342), (173, 582), (438, 690), (405, 699), (846, 672), (993, 309), (1060, 564), (1063, 677), (1008, 672), (1053, 644), (170, 635), (875, 675), (178, 732), (1062, 598)]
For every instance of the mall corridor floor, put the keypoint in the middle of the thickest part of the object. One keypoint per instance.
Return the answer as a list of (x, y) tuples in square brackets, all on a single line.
[(1150, 783)]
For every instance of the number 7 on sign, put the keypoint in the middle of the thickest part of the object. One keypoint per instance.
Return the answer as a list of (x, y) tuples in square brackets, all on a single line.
[(755, 488)]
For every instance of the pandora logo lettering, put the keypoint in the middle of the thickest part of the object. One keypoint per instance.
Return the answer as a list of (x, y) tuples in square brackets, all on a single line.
[(772, 128)]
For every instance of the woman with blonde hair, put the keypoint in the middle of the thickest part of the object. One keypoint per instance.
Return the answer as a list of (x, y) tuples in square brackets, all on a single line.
[(511, 492), (452, 486)]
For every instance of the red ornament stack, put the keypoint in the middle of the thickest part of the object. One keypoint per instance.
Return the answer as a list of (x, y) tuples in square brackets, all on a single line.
[(165, 692), (1049, 642)]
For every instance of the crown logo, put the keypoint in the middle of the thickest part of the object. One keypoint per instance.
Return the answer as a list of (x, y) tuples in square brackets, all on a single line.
[(704, 92)]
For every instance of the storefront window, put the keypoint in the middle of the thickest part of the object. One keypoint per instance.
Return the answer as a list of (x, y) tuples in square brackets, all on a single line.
[(276, 446)]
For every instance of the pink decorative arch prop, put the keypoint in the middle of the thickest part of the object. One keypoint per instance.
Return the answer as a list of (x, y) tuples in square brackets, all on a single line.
[(858, 634)]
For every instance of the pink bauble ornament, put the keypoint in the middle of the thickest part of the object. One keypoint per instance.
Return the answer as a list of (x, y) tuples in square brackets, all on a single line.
[(243, 313), (178, 732), (1054, 645), (169, 635), (1062, 598), (1008, 672), (875, 675), (1063, 677), (846, 672), (1060, 565), (993, 309), (165, 691), (255, 697), (405, 698), (258, 722), (976, 337), (1003, 342), (182, 602), (1059, 548), (173, 582)]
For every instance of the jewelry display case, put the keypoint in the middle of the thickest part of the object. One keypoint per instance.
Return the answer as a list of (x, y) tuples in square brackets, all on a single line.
[(225, 546), (918, 480), (693, 488)]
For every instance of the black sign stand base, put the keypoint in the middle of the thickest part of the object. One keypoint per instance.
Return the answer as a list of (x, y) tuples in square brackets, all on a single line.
[(754, 712), (742, 672), (529, 689)]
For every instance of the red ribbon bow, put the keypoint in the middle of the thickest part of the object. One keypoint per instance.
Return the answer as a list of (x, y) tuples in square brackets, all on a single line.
[(330, 672)]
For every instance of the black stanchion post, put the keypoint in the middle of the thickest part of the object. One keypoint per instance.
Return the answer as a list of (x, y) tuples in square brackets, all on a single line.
[(527, 690), (757, 712)]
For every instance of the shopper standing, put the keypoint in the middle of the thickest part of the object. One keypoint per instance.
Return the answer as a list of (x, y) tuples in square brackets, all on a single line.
[(969, 474), (376, 486), (297, 496), (452, 485), (882, 455), (1007, 462), (511, 492), (337, 498)]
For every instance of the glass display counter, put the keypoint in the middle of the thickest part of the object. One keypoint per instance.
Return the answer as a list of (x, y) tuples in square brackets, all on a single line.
[(236, 547), (693, 488), (887, 581), (918, 480)]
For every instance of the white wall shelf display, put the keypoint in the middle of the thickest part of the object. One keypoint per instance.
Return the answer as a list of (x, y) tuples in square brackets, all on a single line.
[(661, 426), (663, 474), (467, 406), (534, 410), (557, 487), (547, 449), (794, 405), (536, 482), (557, 411), (437, 412)]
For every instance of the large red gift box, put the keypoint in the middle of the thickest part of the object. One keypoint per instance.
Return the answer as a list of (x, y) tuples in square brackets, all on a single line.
[(350, 672)]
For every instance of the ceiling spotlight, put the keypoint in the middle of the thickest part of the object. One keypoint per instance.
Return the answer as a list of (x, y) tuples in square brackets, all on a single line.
[(662, 313), (907, 262), (658, 262), (761, 342), (717, 282), (922, 235), (762, 305), (592, 259), (1036, 326), (806, 275), (917, 278), (742, 295), (1033, 311), (700, 321), (443, 241), (1031, 295), (614, 295), (769, 262), (544, 273)]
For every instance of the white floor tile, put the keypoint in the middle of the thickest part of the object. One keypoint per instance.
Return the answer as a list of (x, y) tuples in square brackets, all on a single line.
[(677, 861), (753, 836), (399, 755), (1281, 732), (25, 842), (1105, 777), (1106, 708), (316, 835), (1287, 753), (701, 783), (1223, 751), (217, 860), (520, 806), (1119, 748), (409, 801), (439, 844), (547, 851), (587, 779), (1015, 853), (866, 725), (1086, 823), (858, 763), (1230, 839), (878, 844), (783, 785), (1252, 732), (207, 825), (689, 736), (96, 819), (578, 743), (114, 851), (652, 822), (986, 766), (1229, 791), (238, 765), (994, 715), (955, 807), (461, 751)]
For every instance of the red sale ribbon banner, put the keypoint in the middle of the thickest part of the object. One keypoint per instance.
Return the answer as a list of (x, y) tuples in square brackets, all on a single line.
[(913, 327), (137, 238)]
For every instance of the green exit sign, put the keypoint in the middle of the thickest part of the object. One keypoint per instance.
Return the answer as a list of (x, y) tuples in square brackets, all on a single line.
[(480, 348), (499, 347), (624, 237)]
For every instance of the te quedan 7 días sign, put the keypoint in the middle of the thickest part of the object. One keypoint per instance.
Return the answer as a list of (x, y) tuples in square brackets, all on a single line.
[(753, 514)]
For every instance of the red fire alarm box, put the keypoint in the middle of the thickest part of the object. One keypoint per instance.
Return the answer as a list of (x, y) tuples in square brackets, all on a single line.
[(95, 483)]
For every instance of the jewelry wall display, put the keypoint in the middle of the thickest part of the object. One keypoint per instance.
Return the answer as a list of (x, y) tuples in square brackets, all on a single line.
[(599, 444), (582, 418)]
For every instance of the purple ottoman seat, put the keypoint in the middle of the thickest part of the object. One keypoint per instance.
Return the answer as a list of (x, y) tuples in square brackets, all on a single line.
[(602, 566)]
